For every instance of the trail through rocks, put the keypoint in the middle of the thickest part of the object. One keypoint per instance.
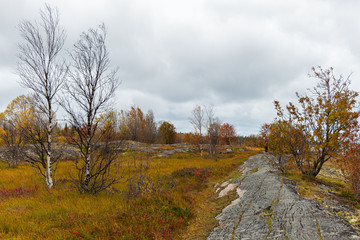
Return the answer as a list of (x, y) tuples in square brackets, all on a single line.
[(268, 207)]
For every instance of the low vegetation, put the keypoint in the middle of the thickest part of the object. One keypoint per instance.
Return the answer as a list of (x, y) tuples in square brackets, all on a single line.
[(157, 198)]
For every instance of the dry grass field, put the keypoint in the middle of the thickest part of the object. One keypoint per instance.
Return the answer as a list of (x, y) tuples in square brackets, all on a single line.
[(157, 198)]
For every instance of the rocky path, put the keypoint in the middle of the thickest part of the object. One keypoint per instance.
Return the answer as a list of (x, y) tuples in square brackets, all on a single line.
[(269, 207)]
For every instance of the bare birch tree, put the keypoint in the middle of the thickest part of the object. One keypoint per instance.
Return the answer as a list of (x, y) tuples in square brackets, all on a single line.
[(42, 72), (90, 88), (197, 120), (213, 134), (213, 130), (150, 130)]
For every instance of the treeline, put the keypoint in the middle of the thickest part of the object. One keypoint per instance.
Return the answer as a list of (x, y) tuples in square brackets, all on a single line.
[(20, 117), (132, 125)]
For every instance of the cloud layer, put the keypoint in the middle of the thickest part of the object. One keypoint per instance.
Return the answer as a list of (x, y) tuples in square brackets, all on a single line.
[(237, 55)]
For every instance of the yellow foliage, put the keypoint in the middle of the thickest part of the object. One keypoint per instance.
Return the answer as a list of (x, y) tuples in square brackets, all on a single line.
[(315, 126)]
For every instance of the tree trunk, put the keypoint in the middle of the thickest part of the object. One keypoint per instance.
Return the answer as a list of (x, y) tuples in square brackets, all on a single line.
[(49, 176), (87, 172), (87, 164)]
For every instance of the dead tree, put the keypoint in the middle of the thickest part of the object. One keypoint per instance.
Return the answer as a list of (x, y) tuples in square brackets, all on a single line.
[(42, 72), (88, 92), (213, 130), (197, 120)]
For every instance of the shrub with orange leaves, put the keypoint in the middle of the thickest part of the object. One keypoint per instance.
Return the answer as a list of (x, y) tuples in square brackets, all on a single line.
[(191, 138), (350, 158), (227, 133)]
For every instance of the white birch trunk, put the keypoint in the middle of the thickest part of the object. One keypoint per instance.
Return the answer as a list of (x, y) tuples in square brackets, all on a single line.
[(87, 168), (87, 171), (49, 177)]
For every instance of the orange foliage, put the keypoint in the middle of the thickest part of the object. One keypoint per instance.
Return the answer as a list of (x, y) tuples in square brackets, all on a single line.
[(350, 158), (227, 133), (191, 138), (168, 133)]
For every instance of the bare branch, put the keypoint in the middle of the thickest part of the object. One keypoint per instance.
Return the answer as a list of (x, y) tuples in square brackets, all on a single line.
[(88, 92), (41, 71)]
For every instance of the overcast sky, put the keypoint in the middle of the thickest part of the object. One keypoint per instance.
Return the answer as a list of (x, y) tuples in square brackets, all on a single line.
[(239, 55)]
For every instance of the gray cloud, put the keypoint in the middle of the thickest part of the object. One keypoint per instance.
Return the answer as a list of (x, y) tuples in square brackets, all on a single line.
[(237, 55)]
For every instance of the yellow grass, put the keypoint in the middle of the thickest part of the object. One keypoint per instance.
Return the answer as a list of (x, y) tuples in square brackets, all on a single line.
[(30, 211)]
